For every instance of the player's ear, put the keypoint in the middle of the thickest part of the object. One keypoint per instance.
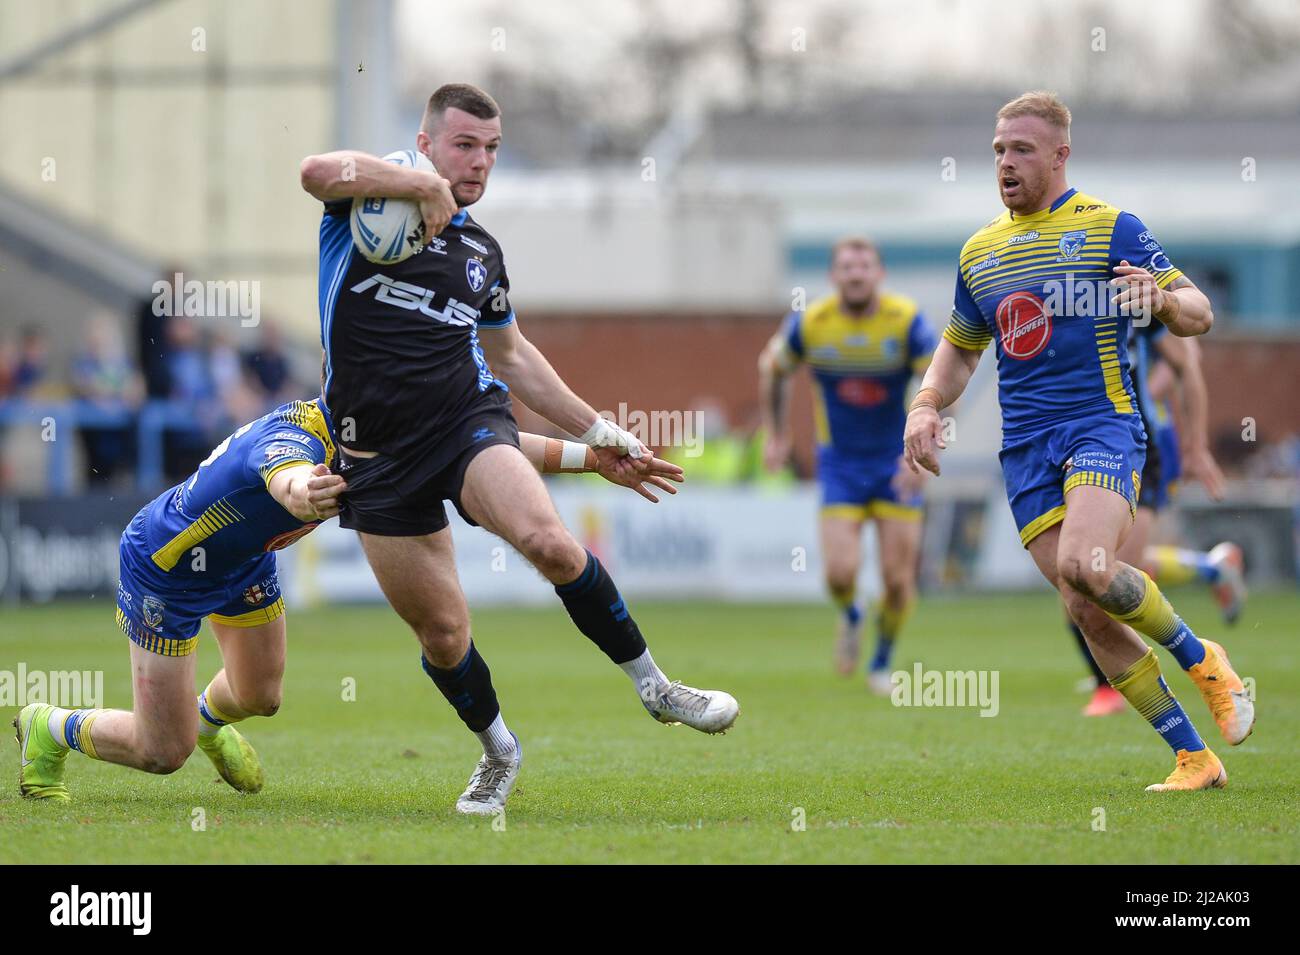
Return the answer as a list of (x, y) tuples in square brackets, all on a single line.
[(424, 144), (1062, 153)]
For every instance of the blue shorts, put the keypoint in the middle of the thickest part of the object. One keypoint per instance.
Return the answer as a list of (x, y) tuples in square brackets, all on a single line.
[(862, 488), (162, 612), (1102, 451)]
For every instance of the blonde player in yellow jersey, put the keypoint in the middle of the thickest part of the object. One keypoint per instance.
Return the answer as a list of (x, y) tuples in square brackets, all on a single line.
[(1053, 283), (863, 345)]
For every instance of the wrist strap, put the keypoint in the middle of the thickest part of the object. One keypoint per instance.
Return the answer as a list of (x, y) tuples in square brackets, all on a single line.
[(927, 398)]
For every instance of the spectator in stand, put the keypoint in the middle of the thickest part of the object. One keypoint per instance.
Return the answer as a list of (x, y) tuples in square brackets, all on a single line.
[(105, 380), (33, 361), (192, 387), (268, 368), (151, 343)]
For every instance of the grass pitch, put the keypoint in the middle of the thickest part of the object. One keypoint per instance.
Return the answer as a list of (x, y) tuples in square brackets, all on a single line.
[(374, 780)]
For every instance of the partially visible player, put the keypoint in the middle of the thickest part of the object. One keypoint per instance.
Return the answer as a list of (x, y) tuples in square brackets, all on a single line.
[(1221, 567), (863, 345), (206, 548), (1053, 282)]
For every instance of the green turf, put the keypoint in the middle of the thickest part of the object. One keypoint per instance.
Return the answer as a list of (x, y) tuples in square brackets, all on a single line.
[(374, 780)]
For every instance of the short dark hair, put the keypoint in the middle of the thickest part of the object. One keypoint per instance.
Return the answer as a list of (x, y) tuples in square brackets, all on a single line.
[(858, 243), (460, 96)]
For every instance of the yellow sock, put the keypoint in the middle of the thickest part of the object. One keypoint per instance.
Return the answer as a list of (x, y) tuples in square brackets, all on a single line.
[(1145, 689), (890, 620), (1171, 565), (212, 719), (1153, 616)]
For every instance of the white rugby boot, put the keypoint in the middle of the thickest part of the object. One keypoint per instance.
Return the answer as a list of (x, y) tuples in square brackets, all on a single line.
[(489, 788), (709, 711)]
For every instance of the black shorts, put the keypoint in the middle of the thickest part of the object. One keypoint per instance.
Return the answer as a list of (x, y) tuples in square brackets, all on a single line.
[(402, 497)]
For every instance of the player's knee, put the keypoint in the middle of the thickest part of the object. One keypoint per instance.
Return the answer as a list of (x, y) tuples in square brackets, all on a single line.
[(163, 759), (263, 701), (442, 632), (1081, 574), (553, 551)]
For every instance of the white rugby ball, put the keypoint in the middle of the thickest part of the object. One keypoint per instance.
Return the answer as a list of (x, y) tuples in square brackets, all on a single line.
[(388, 231)]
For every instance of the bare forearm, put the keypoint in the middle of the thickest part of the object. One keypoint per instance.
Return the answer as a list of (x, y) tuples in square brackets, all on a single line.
[(773, 394), (347, 173), (555, 456), (538, 385), (1196, 402), (1185, 310), (950, 372)]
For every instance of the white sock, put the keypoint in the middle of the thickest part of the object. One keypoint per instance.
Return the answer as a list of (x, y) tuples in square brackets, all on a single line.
[(646, 677), (57, 718), (496, 739), (206, 727)]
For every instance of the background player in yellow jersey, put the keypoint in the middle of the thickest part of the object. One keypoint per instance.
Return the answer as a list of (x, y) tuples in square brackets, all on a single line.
[(863, 345), (1052, 283)]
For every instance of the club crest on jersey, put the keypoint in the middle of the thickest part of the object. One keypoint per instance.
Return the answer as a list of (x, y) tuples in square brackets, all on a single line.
[(151, 612), (1071, 245), (1025, 325), (475, 274)]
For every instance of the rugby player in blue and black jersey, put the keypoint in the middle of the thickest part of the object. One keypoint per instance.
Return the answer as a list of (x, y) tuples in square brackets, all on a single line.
[(420, 357), (206, 549), (1054, 282)]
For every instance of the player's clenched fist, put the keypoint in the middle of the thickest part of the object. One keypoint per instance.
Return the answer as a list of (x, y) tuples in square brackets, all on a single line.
[(1138, 294), (437, 205), (310, 494), (923, 439)]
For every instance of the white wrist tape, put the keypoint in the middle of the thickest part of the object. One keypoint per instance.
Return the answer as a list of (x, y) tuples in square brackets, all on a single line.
[(606, 434), (573, 456)]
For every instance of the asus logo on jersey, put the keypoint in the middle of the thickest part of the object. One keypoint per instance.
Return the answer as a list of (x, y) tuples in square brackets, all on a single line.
[(413, 298)]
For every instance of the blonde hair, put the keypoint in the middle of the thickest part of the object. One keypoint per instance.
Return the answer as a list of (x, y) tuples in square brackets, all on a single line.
[(1040, 103)]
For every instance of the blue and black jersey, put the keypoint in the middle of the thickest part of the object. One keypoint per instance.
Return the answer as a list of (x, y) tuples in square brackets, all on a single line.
[(403, 365)]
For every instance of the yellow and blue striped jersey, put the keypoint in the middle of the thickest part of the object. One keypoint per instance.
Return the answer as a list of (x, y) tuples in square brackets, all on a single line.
[(223, 515), (1038, 286), (861, 366)]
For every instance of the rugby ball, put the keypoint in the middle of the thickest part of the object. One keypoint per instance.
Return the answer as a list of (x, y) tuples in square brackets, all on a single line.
[(388, 231)]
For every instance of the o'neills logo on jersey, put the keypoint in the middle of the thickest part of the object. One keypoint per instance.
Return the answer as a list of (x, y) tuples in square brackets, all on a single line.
[(1025, 325)]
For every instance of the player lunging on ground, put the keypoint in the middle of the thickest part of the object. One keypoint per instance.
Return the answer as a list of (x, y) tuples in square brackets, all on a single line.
[(206, 548), (1039, 280), (423, 415), (863, 345)]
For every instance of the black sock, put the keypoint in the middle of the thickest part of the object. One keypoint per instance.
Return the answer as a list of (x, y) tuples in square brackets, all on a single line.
[(468, 687), (1087, 654), (599, 612)]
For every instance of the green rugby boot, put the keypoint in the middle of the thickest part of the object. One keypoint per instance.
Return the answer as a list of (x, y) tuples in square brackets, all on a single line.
[(40, 773), (234, 758)]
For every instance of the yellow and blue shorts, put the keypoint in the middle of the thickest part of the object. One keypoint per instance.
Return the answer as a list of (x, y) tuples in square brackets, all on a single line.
[(1103, 451), (162, 612), (859, 488)]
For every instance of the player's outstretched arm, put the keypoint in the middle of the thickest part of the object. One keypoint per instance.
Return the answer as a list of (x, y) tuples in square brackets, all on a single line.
[(775, 363), (1183, 356), (347, 173), (309, 493), (555, 456), (944, 382), (518, 362)]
